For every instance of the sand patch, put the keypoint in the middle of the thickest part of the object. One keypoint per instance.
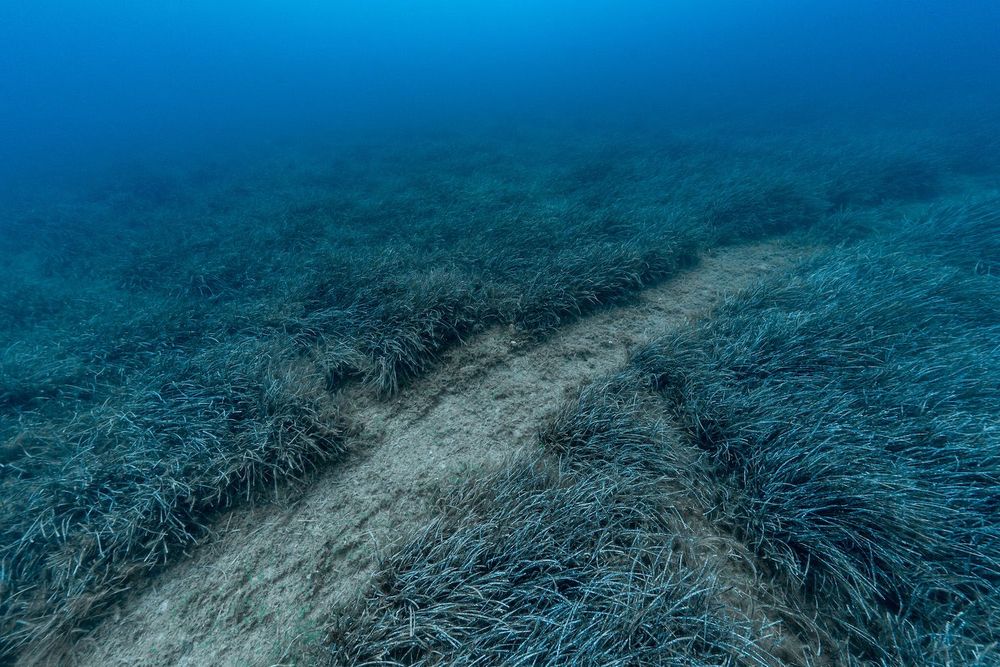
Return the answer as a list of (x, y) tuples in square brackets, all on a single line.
[(273, 573)]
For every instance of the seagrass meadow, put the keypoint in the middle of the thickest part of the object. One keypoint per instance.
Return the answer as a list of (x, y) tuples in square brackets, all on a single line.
[(809, 475)]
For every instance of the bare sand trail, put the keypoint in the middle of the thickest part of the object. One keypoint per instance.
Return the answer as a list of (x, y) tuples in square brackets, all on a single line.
[(272, 574)]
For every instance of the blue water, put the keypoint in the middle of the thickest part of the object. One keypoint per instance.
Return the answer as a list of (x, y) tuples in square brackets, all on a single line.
[(82, 82)]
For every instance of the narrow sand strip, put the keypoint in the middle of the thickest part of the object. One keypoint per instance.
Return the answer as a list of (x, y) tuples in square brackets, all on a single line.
[(273, 574)]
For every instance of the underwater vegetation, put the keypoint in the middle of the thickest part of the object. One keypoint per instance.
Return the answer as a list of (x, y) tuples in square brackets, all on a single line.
[(810, 476), (175, 344)]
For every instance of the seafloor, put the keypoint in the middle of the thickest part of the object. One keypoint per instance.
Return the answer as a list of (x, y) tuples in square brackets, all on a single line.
[(705, 396)]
